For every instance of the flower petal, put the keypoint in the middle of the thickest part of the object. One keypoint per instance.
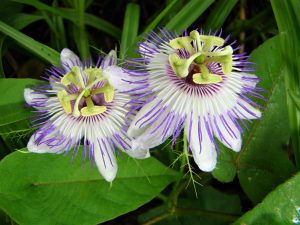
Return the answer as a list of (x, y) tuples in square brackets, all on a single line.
[(151, 126), (227, 132), (43, 147), (32, 98), (246, 111), (69, 59), (110, 59), (203, 149), (120, 79), (105, 160), (137, 152)]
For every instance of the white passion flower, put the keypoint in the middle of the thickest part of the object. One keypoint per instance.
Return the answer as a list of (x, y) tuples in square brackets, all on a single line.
[(193, 82), (83, 105)]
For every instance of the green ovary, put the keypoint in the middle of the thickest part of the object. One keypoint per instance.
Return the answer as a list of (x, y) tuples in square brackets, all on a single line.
[(200, 56), (75, 77)]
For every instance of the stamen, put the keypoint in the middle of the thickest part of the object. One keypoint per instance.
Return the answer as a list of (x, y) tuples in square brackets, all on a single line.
[(202, 54), (64, 101), (108, 92), (182, 42), (91, 109), (75, 77)]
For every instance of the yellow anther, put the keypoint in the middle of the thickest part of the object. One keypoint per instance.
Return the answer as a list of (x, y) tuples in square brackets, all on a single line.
[(64, 101), (91, 109), (108, 92), (76, 76), (224, 59), (181, 66), (182, 42), (210, 41), (201, 55), (73, 77), (85, 111), (211, 79), (93, 74)]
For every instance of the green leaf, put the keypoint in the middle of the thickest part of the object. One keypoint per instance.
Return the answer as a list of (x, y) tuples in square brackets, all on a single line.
[(188, 14), (130, 28), (210, 208), (263, 162), (9, 8), (14, 123), (296, 99), (43, 51), (12, 100), (219, 14), (80, 35), (21, 20), (225, 170), (282, 206), (288, 21), (48, 188)]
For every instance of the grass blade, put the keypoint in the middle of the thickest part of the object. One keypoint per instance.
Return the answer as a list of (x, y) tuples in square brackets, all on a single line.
[(219, 14), (70, 14), (81, 37), (130, 28), (41, 50), (160, 16), (185, 17)]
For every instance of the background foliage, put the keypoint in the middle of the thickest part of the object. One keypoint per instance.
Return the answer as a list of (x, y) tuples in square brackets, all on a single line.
[(259, 185)]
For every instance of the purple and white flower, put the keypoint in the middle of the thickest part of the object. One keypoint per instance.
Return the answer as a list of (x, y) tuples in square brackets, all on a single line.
[(193, 82), (83, 105)]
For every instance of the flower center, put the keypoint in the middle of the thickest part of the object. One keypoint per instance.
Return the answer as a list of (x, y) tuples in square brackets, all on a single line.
[(92, 92), (203, 50)]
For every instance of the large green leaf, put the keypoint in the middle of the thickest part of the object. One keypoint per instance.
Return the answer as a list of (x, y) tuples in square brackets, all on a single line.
[(225, 170), (14, 123), (280, 207), (288, 21), (263, 162), (12, 104), (47, 188)]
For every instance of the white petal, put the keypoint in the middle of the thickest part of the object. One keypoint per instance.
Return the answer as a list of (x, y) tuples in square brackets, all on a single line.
[(110, 59), (137, 152), (137, 127), (246, 111), (144, 136), (44, 148), (204, 153), (227, 133), (118, 78), (105, 161), (69, 59), (31, 96)]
